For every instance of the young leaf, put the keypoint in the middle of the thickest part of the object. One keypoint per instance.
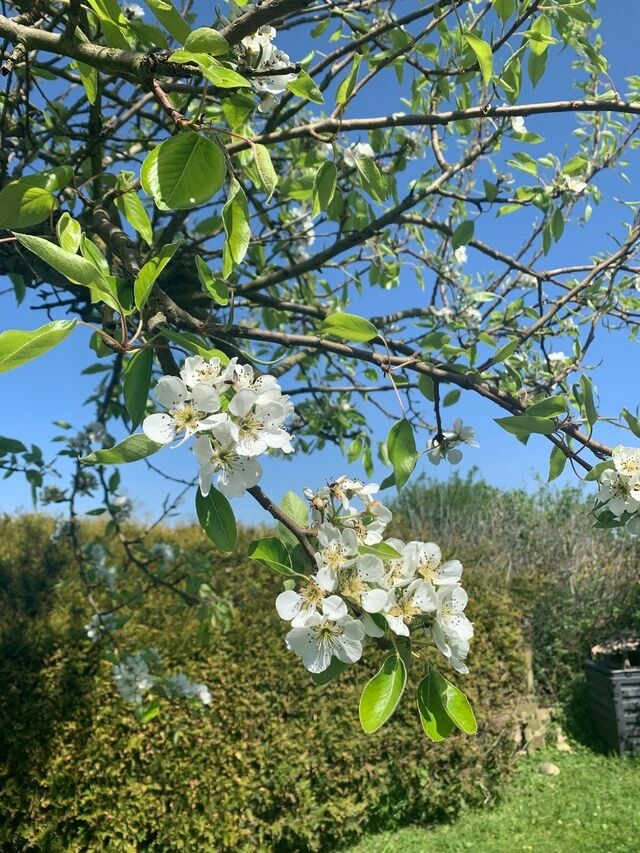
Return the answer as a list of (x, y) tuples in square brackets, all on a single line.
[(150, 272), (304, 87), (267, 173), (17, 347), (381, 695), (324, 186), (348, 84), (483, 54), (131, 449), (588, 403), (272, 553), (401, 450), (527, 424), (632, 422), (600, 468), (183, 171), (557, 461), (78, 270), (206, 40), (23, 205), (137, 379), (435, 721), (426, 387), (455, 703), (133, 210), (235, 216), (215, 287), (462, 234), (217, 519), (349, 327), (552, 407), (69, 233), (298, 510), (171, 19)]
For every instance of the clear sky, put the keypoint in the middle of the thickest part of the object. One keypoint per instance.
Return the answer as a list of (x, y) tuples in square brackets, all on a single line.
[(53, 388)]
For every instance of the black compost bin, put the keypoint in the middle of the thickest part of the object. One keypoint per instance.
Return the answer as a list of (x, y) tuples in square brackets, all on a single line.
[(614, 693)]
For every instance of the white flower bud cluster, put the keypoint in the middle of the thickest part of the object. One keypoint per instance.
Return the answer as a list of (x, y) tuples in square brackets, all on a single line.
[(620, 488), (367, 586), (235, 415), (258, 53), (139, 674), (447, 446)]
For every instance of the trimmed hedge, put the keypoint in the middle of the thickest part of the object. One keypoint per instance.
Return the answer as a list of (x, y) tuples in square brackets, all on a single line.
[(275, 763)]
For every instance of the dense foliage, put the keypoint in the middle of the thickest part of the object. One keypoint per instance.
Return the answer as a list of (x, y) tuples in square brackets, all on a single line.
[(272, 764)]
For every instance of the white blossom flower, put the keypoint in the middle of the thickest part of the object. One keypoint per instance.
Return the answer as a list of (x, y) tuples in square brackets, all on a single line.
[(190, 410), (200, 371), (404, 604), (323, 637), (180, 685), (133, 678), (260, 423), (447, 446), (451, 625), (218, 453), (260, 54), (357, 151), (626, 460), (460, 255), (620, 493), (574, 185), (311, 599), (426, 561), (518, 125), (337, 549)]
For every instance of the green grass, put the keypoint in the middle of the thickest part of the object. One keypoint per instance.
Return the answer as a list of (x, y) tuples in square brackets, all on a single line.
[(592, 806)]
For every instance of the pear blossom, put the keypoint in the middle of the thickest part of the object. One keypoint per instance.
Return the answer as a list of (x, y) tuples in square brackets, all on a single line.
[(217, 453), (357, 151), (620, 493), (460, 255), (337, 549), (451, 624), (323, 637), (626, 460), (426, 557), (446, 446), (259, 53), (312, 598), (260, 423), (403, 605), (518, 125), (190, 410)]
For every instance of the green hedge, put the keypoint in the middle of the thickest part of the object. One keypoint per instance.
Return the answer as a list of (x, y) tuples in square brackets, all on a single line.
[(275, 763)]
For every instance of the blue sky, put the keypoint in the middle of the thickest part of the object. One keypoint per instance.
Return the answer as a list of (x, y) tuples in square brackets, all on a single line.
[(53, 388)]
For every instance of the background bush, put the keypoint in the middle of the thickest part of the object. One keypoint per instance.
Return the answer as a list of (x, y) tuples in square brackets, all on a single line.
[(274, 763)]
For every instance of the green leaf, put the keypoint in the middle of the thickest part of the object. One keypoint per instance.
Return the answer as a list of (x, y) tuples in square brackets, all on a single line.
[(150, 272), (455, 703), (504, 9), (297, 509), (171, 19), (183, 172), (401, 450), (224, 78), (588, 403), (382, 550), (557, 461), (462, 234), (137, 379), (426, 387), (381, 695), (268, 176), (78, 270), (348, 84), (235, 216), (51, 179), (451, 397), (304, 87), (324, 186), (372, 179), (130, 449), (505, 351), (217, 519), (536, 66), (69, 233), (632, 422), (600, 468), (527, 424), (89, 79), (272, 553), (214, 286), (483, 54), (435, 721), (193, 344), (23, 205), (11, 445), (552, 407), (349, 327), (17, 347), (133, 210), (206, 40)]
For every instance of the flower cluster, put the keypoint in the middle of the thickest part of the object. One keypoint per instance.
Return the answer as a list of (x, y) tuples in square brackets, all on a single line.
[(367, 586), (446, 446), (139, 674), (234, 415), (619, 492), (258, 53)]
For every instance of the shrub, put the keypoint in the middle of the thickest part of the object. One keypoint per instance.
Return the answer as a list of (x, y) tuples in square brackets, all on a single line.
[(274, 764)]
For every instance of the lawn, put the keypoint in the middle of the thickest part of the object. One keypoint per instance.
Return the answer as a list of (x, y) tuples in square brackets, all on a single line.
[(591, 806)]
